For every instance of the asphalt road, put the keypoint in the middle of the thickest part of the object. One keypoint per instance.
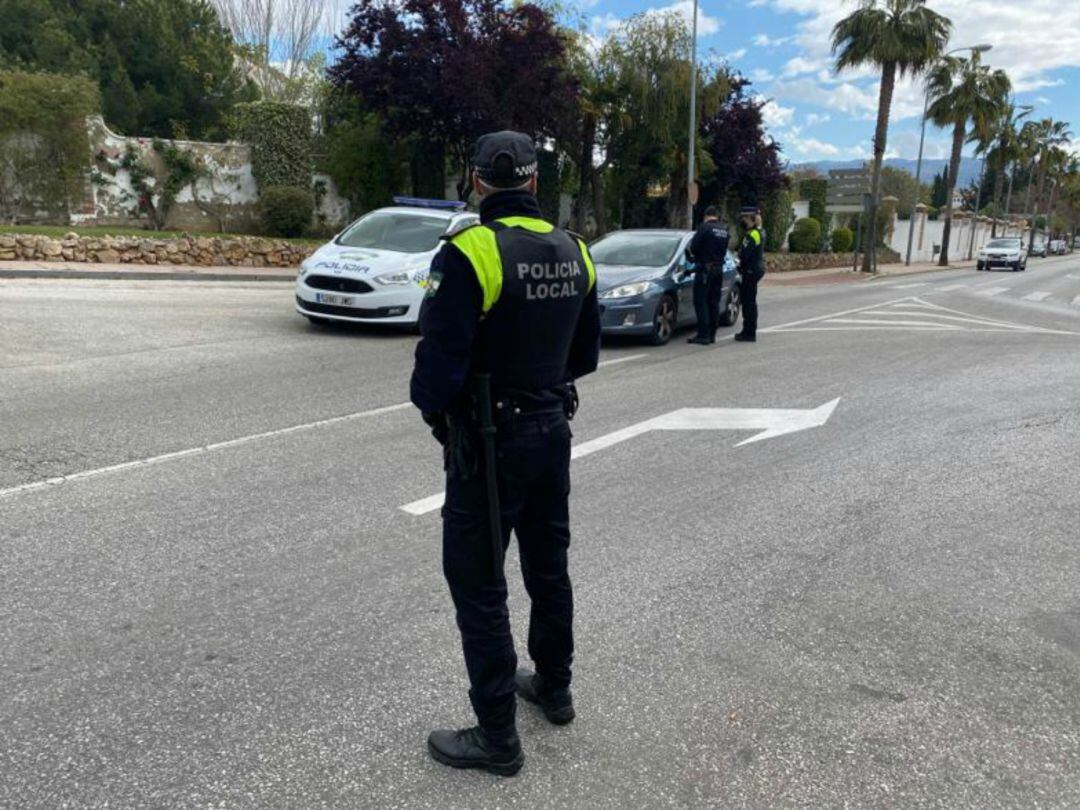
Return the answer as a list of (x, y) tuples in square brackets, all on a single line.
[(223, 604)]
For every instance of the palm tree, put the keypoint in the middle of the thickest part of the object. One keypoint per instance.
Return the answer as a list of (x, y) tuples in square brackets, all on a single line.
[(964, 92), (897, 36), (1003, 152), (1046, 137)]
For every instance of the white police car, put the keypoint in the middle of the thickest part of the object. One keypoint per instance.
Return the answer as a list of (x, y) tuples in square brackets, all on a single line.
[(376, 270)]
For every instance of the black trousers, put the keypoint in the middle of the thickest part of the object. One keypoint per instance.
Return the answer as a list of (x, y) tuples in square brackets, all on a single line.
[(708, 291), (534, 489), (749, 305)]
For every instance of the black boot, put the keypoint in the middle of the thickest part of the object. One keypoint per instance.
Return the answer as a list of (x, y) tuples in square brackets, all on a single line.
[(698, 340), (742, 337), (557, 705), (473, 748)]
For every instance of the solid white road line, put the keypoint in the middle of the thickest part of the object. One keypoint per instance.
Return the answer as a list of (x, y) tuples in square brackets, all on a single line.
[(878, 321), (209, 448), (1037, 296), (994, 291), (910, 286), (195, 451), (617, 360), (952, 288)]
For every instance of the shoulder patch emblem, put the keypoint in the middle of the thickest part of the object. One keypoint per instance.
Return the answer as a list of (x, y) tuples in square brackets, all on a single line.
[(432, 284)]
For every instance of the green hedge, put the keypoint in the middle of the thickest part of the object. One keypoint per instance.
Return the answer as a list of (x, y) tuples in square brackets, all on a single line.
[(842, 240), (45, 170), (281, 142), (286, 210), (806, 237)]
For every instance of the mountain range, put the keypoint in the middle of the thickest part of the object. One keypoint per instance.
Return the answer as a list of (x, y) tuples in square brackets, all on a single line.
[(969, 167)]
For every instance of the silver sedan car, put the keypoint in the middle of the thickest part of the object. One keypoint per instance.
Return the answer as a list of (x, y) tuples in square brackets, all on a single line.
[(644, 287)]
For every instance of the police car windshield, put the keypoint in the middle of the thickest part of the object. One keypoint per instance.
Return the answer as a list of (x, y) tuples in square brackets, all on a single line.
[(1003, 243), (637, 249), (396, 231)]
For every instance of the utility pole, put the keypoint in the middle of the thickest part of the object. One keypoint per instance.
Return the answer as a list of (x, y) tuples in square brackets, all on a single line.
[(692, 148)]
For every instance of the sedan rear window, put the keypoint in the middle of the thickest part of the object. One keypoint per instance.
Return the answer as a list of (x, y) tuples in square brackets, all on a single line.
[(636, 249), (390, 230)]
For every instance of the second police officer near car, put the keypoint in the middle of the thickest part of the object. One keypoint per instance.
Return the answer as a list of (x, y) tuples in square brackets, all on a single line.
[(707, 251), (510, 321), (751, 269)]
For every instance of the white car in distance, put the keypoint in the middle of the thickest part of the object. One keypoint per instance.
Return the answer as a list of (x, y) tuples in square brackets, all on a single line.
[(376, 270), (1008, 252)]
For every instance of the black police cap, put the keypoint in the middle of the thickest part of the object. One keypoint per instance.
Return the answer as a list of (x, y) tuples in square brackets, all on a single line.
[(505, 159)]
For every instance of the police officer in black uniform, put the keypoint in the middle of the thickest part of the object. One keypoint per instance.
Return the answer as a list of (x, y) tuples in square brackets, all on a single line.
[(707, 250), (752, 270), (512, 302)]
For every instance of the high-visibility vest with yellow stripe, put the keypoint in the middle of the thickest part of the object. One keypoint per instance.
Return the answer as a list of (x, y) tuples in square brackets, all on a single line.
[(535, 279)]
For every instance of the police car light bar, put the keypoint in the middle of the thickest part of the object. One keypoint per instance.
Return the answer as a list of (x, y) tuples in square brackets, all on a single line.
[(442, 205)]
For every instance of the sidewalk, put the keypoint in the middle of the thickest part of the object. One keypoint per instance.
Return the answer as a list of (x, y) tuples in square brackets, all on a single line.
[(838, 275), (143, 272)]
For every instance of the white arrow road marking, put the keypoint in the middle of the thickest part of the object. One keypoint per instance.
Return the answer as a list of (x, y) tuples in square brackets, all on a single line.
[(1037, 296), (772, 422)]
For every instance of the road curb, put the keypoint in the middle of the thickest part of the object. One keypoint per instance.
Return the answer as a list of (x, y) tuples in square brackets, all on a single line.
[(144, 275)]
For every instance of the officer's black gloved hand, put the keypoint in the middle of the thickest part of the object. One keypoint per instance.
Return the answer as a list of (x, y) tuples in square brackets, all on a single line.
[(571, 400), (440, 428)]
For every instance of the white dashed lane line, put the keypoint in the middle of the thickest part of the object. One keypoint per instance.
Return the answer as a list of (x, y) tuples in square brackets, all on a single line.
[(1037, 296), (994, 291), (1076, 301), (953, 288)]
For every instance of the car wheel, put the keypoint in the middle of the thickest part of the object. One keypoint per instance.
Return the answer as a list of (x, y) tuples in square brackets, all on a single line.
[(731, 312), (664, 321)]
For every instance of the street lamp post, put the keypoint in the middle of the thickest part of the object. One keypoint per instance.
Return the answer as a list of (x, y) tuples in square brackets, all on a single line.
[(983, 48), (692, 148)]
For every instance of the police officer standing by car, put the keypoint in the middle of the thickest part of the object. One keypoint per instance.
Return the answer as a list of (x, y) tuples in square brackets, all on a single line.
[(707, 250), (752, 270), (511, 319)]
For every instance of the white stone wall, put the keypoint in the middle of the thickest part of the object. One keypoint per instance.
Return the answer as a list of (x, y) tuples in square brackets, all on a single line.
[(928, 236), (225, 197)]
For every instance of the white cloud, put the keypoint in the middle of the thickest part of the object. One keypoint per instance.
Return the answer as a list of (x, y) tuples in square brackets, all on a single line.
[(761, 75), (735, 55), (603, 25), (775, 116), (809, 147), (813, 119), (707, 26)]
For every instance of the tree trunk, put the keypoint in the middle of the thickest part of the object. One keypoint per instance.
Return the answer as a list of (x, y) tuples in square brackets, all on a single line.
[(599, 202), (1038, 196), (999, 187), (950, 189), (881, 133), (586, 172), (677, 200)]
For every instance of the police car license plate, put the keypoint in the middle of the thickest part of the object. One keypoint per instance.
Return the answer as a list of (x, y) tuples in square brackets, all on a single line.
[(335, 300)]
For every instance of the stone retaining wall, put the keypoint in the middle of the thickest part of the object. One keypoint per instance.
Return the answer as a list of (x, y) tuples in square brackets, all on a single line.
[(238, 251)]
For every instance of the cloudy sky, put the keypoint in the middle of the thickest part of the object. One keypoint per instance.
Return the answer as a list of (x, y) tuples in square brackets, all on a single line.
[(783, 46)]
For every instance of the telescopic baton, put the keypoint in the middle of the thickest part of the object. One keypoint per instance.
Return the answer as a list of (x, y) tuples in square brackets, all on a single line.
[(487, 437)]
